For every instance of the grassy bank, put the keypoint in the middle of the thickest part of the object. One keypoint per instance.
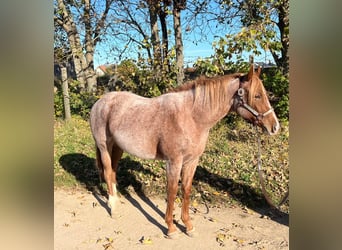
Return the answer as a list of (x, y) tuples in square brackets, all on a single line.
[(227, 172)]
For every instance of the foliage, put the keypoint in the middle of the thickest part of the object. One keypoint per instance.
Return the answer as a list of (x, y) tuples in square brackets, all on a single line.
[(216, 65), (138, 78), (207, 67), (264, 27), (80, 101), (278, 87), (58, 103), (226, 174)]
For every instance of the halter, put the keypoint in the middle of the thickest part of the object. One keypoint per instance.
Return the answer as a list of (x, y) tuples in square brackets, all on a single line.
[(259, 116)]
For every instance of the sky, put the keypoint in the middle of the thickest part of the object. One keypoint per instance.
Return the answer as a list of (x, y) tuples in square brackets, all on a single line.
[(193, 48), (191, 53)]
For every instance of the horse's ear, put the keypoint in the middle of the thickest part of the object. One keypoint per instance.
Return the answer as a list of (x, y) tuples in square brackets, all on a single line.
[(251, 72), (259, 71)]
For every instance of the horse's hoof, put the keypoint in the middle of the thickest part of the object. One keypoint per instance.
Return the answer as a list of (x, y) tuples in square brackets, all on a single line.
[(191, 233), (173, 235)]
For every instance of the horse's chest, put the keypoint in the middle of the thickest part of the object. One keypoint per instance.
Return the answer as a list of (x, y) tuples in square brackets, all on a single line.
[(182, 145)]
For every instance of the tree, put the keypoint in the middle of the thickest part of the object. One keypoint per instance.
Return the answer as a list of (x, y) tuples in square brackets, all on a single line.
[(264, 26), (178, 5), (87, 20)]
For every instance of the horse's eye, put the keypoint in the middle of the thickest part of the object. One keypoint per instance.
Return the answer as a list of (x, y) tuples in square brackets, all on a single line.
[(257, 96)]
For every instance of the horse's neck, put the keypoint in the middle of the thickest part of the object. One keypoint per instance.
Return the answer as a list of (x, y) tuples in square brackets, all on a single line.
[(209, 116)]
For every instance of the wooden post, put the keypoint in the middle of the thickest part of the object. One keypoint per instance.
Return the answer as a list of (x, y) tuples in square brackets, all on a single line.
[(65, 89), (251, 59)]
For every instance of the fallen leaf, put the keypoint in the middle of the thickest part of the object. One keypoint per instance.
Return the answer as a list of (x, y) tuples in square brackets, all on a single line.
[(211, 219), (108, 246), (178, 200), (240, 241), (109, 239), (221, 237), (146, 241), (195, 203)]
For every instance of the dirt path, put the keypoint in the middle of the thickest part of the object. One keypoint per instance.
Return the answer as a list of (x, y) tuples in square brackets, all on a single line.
[(81, 221)]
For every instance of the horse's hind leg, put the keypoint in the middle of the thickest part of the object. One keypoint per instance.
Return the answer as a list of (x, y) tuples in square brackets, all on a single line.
[(107, 174), (116, 156), (99, 164)]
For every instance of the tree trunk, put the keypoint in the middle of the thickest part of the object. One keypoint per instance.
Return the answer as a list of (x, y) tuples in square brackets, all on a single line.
[(157, 60), (283, 61), (165, 39), (178, 42), (74, 42), (76, 56), (90, 73), (89, 47), (65, 90)]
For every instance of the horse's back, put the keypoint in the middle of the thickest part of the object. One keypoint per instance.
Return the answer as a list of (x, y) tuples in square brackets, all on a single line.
[(127, 120), (112, 103)]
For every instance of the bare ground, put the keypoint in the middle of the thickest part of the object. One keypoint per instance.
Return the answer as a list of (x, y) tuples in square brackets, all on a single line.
[(82, 221)]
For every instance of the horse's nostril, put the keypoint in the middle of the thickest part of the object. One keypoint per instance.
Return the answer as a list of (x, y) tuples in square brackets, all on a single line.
[(275, 128)]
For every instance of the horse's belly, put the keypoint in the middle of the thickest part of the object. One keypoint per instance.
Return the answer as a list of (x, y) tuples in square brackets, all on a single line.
[(139, 146)]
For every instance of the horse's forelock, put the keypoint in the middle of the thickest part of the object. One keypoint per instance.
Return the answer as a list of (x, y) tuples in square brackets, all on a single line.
[(255, 86)]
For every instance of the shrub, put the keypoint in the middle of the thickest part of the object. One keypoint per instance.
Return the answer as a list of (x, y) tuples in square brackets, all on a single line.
[(278, 86), (80, 101)]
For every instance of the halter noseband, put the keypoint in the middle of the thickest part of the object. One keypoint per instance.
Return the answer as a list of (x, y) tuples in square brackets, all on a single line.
[(259, 116)]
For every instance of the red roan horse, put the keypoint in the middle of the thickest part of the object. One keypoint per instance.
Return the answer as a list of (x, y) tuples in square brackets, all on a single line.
[(174, 127)]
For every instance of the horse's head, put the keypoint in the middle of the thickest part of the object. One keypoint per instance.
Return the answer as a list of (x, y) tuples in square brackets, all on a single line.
[(251, 102)]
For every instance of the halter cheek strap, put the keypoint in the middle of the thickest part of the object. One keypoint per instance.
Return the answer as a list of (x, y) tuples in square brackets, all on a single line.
[(259, 116)]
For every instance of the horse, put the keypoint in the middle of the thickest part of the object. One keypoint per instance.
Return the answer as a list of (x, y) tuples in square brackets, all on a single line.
[(174, 127)]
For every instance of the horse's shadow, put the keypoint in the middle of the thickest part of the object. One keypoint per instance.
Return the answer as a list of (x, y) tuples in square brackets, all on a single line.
[(84, 170), (249, 197)]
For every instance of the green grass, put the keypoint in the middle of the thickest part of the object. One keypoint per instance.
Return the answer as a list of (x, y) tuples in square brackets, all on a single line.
[(226, 174)]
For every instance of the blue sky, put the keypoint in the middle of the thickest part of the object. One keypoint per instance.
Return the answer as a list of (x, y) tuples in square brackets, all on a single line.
[(196, 45), (191, 53)]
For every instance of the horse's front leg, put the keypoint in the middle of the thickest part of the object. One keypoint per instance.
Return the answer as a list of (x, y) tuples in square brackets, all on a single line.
[(173, 170), (187, 177)]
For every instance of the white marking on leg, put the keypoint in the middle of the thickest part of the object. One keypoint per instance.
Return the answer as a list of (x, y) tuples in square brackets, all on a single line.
[(112, 199), (112, 202), (114, 189)]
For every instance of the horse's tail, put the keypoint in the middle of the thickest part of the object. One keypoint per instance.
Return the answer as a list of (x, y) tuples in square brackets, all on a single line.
[(99, 163)]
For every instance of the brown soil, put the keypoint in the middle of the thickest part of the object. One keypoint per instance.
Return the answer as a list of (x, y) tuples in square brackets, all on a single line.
[(82, 221)]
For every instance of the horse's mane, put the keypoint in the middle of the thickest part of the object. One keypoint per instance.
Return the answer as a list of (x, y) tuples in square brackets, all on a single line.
[(208, 91), (203, 80), (214, 89)]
